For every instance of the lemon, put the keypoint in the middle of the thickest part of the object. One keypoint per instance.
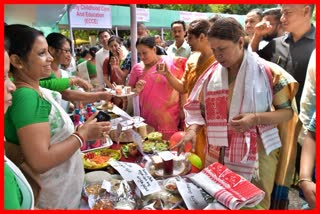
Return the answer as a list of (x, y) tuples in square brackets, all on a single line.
[(195, 160)]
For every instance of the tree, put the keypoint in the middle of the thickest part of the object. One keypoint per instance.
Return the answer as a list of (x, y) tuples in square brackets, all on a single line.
[(181, 7), (240, 9)]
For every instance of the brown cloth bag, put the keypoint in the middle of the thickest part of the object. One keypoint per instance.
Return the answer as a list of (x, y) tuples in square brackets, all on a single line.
[(15, 154)]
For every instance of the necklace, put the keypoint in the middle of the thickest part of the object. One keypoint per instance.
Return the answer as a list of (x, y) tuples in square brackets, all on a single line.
[(26, 85)]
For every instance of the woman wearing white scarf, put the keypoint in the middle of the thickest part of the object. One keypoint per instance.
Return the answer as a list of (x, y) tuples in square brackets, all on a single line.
[(234, 99)]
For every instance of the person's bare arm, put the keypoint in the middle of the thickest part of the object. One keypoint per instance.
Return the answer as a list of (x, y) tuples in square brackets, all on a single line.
[(75, 95), (245, 121), (261, 29), (42, 156), (173, 81), (307, 163)]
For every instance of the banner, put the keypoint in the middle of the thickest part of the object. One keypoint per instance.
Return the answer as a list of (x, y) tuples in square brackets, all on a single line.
[(90, 16), (190, 16), (143, 15)]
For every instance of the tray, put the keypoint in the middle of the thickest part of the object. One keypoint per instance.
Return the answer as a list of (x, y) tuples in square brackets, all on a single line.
[(181, 166), (89, 162), (107, 144), (113, 93)]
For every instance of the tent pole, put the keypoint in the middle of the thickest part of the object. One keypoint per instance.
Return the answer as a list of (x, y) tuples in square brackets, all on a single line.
[(116, 28), (133, 34), (70, 29)]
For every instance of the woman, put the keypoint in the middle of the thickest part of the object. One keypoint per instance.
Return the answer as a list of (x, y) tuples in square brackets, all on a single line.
[(198, 63), (111, 65), (59, 48), (84, 56), (87, 69), (233, 100), (111, 69), (40, 128), (17, 191), (159, 101)]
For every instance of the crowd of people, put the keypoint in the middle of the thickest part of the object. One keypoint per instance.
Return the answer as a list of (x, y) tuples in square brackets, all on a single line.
[(241, 94)]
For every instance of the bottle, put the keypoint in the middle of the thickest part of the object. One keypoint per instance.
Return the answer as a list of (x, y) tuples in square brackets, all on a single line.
[(77, 118), (89, 111)]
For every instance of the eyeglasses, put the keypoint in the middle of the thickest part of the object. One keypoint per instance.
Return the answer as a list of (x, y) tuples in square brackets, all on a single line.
[(65, 50)]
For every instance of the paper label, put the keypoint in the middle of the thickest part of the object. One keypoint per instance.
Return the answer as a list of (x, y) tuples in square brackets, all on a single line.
[(141, 177), (125, 169), (191, 195), (145, 182)]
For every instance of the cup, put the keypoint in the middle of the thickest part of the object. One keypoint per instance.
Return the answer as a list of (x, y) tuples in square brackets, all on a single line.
[(118, 89), (167, 160), (167, 167), (160, 67), (127, 89)]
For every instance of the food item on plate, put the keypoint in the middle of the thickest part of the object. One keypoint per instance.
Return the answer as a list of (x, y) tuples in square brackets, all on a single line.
[(99, 158), (171, 185), (93, 189), (130, 149), (148, 146), (157, 161), (107, 106), (153, 136), (103, 204)]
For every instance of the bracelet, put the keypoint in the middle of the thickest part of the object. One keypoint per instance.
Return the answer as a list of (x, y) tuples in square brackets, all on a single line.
[(79, 137), (79, 127), (73, 81), (304, 179)]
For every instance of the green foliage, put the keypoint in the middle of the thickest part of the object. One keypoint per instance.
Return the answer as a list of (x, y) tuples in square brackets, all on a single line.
[(182, 7), (240, 9)]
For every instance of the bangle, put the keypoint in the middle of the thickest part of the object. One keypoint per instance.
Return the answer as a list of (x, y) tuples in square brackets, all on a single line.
[(73, 81), (79, 127), (79, 137), (304, 179)]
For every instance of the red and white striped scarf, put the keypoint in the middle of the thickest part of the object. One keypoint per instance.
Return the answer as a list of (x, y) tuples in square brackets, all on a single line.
[(252, 93)]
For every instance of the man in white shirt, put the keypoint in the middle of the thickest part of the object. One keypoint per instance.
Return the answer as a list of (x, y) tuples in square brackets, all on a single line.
[(101, 55), (180, 46)]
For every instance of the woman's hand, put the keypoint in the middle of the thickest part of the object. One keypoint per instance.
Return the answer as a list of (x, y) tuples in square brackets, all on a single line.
[(243, 122), (104, 95), (190, 136), (92, 130), (162, 69), (140, 86), (120, 53), (309, 192), (114, 62), (77, 81)]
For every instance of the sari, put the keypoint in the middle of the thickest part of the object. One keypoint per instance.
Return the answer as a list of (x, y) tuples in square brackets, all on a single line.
[(191, 75), (159, 101)]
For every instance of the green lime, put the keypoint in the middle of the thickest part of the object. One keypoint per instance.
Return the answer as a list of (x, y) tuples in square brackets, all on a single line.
[(195, 160)]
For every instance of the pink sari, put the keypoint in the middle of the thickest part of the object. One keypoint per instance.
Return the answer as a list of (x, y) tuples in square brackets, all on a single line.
[(159, 102)]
